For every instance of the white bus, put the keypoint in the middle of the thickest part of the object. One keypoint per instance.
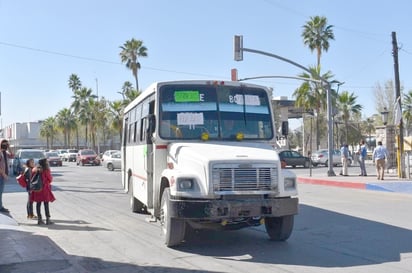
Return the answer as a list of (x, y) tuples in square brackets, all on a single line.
[(198, 154)]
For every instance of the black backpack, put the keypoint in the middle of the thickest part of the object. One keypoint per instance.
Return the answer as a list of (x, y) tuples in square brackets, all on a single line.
[(36, 182)]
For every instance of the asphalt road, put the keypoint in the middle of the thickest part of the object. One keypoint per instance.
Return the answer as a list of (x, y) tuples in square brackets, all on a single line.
[(337, 230)]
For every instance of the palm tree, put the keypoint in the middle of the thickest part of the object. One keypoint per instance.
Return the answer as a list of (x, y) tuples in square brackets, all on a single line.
[(312, 95), (131, 51), (127, 86), (48, 130), (346, 103), (74, 82), (316, 35), (66, 121), (116, 108), (82, 107)]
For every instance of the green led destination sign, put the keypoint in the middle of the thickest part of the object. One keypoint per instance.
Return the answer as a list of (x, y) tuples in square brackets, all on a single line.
[(187, 96)]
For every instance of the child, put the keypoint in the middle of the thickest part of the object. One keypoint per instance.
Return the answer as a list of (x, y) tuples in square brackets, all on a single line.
[(45, 194), (28, 175)]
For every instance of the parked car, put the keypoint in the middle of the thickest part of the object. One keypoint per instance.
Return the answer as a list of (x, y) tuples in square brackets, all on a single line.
[(54, 159), (293, 158), (87, 157), (23, 155), (71, 155), (61, 153), (107, 154), (113, 161), (320, 157)]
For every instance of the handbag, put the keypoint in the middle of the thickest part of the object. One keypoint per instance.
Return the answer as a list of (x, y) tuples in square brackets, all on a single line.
[(21, 179), (36, 183)]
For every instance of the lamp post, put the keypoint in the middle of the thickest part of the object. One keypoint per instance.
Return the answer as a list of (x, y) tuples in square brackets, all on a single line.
[(385, 114)]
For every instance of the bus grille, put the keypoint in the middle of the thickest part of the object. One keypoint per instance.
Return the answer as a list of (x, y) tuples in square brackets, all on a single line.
[(244, 179)]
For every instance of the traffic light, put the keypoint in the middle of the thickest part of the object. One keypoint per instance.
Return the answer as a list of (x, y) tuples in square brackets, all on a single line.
[(285, 128), (238, 48)]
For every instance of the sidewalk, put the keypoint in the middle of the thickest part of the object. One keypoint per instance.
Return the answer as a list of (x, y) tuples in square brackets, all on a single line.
[(391, 182)]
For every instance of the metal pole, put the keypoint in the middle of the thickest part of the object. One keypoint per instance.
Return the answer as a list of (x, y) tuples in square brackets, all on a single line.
[(328, 94)]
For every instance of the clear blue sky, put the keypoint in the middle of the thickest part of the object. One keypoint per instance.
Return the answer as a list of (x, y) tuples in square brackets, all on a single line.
[(42, 42)]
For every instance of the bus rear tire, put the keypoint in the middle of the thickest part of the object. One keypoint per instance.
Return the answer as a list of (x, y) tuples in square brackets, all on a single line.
[(279, 228), (173, 229)]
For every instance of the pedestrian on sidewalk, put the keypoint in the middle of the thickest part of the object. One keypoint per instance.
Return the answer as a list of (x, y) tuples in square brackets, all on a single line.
[(29, 176), (362, 154), (4, 171), (45, 195), (379, 156), (344, 152)]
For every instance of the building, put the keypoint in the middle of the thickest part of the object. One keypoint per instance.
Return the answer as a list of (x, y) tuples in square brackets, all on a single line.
[(24, 135)]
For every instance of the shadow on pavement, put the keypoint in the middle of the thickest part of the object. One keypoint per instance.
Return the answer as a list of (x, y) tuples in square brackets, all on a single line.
[(320, 238)]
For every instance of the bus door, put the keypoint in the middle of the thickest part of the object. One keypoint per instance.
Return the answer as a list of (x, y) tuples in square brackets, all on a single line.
[(148, 125)]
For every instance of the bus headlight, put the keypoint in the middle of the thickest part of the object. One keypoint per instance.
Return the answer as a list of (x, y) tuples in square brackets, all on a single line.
[(185, 184), (290, 183)]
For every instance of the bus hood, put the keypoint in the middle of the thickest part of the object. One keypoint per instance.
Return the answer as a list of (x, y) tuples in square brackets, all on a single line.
[(208, 151)]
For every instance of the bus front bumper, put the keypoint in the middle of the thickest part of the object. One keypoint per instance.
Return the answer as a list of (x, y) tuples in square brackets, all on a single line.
[(220, 209)]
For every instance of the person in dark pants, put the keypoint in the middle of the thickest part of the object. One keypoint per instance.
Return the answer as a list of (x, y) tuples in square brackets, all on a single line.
[(45, 195), (28, 175), (4, 171)]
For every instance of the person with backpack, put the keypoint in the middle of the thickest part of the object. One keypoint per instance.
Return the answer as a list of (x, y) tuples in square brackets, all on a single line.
[(44, 193), (29, 176), (362, 154)]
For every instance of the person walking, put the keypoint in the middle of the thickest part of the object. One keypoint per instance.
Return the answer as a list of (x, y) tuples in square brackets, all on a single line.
[(45, 195), (379, 156), (4, 171), (29, 175), (362, 154), (344, 152)]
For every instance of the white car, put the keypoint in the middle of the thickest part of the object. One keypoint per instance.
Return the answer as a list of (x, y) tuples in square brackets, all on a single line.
[(106, 155), (71, 155), (114, 161), (320, 157)]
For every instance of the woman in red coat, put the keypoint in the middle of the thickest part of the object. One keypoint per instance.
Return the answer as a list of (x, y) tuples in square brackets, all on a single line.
[(45, 194)]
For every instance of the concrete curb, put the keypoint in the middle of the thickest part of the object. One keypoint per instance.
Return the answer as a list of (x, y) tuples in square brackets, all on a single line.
[(388, 186)]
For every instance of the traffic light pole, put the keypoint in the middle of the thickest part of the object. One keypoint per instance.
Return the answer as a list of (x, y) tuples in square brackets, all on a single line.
[(238, 56)]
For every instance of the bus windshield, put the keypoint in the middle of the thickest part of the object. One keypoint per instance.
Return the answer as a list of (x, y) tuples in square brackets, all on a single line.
[(220, 112)]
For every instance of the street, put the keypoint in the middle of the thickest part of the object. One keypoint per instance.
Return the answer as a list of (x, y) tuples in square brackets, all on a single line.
[(337, 230)]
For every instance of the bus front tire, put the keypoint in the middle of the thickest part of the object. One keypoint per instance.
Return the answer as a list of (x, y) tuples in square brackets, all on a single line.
[(173, 229), (279, 228)]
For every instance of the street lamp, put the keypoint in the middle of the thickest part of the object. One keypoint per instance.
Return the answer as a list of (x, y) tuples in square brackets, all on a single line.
[(385, 114)]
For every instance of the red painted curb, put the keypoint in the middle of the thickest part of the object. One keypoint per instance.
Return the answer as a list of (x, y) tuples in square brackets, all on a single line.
[(317, 181)]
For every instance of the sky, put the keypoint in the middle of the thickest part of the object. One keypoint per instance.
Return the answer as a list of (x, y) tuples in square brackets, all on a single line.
[(43, 42)]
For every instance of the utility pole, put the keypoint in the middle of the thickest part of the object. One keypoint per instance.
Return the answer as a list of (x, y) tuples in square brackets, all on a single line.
[(401, 163)]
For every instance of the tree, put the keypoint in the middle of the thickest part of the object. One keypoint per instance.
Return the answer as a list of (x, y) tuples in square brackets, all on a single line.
[(82, 107), (131, 51), (407, 111), (347, 106), (312, 96), (48, 130), (316, 35), (66, 121), (385, 98), (116, 108)]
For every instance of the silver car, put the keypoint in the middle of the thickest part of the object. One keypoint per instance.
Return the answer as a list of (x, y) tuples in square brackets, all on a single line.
[(320, 157), (113, 161)]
